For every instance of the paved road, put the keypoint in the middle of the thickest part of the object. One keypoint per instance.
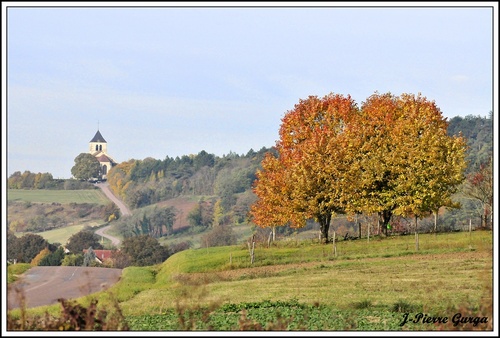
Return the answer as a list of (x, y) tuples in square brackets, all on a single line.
[(102, 232), (43, 285), (107, 191), (104, 186)]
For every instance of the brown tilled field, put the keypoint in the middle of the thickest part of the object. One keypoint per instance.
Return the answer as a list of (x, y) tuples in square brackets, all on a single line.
[(183, 206)]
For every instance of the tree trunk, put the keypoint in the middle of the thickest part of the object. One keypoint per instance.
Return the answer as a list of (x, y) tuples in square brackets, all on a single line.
[(435, 221), (386, 217), (416, 234), (359, 226), (324, 225)]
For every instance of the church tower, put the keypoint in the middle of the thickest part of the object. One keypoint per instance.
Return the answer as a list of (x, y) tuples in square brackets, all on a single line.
[(98, 144), (99, 148)]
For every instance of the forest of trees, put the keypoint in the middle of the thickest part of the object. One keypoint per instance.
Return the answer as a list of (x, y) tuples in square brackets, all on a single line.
[(478, 131), (144, 182)]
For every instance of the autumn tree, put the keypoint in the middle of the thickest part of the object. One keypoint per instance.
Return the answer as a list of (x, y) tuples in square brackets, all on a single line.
[(305, 180), (118, 178), (393, 156), (218, 214), (86, 167), (42, 254), (407, 163), (271, 209), (479, 187), (110, 212), (29, 180)]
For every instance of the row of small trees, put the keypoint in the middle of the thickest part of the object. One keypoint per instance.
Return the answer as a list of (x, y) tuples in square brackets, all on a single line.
[(140, 250), (30, 180), (391, 156)]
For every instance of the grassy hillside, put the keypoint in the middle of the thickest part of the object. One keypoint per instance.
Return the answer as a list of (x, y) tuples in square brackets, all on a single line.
[(58, 196), (302, 285)]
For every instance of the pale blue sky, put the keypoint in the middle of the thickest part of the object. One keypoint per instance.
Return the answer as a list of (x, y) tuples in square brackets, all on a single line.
[(169, 81)]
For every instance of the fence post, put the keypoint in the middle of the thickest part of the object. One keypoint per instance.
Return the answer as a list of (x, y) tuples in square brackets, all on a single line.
[(251, 249), (470, 233), (334, 245)]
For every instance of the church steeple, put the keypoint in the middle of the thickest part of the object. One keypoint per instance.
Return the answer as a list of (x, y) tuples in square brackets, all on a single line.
[(99, 148), (98, 137), (98, 144)]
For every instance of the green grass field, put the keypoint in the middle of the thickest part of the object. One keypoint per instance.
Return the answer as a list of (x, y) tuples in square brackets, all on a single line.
[(58, 196), (302, 285), (61, 235)]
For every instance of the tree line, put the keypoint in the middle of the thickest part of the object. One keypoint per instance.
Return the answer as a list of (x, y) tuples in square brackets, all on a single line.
[(31, 180), (144, 182), (140, 250)]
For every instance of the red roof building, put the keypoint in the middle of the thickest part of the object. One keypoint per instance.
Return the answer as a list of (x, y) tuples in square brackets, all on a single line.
[(101, 255)]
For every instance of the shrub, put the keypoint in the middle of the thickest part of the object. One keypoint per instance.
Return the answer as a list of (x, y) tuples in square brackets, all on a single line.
[(174, 248), (403, 306), (221, 235), (73, 317), (36, 261)]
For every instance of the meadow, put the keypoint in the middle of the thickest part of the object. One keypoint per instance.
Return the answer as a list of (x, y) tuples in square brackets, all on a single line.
[(303, 285), (58, 196), (61, 235)]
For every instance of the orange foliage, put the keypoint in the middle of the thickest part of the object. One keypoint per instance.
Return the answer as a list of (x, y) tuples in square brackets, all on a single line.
[(392, 156)]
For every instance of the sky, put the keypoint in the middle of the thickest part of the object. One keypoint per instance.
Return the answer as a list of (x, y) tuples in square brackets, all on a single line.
[(170, 81)]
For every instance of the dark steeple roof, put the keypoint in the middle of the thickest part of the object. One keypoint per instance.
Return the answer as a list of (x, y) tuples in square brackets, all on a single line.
[(98, 138)]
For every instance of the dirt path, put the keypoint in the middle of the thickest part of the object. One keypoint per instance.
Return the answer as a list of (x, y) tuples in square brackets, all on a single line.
[(104, 186), (43, 285)]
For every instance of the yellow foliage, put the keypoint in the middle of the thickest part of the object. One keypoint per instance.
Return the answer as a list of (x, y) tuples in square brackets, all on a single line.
[(35, 261)]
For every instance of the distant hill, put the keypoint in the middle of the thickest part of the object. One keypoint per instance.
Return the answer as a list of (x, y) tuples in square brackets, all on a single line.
[(479, 134)]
